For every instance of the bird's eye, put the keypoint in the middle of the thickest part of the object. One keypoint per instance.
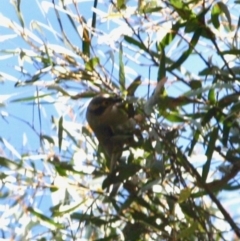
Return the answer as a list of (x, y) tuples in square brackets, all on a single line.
[(105, 103)]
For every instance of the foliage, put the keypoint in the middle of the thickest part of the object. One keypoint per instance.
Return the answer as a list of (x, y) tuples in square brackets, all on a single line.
[(176, 183)]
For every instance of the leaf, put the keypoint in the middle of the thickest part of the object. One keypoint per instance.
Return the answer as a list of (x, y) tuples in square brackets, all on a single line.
[(59, 213), (225, 10), (169, 37), (5, 162), (175, 117), (195, 138), (133, 86), (184, 195), (211, 96), (58, 88), (92, 63), (189, 231), (44, 218), (162, 68), (186, 53), (124, 172), (149, 185), (235, 107), (48, 138), (231, 51), (157, 168), (17, 5), (30, 98), (60, 133), (216, 11), (199, 91), (228, 100), (211, 113), (121, 69), (134, 42), (89, 219), (182, 9), (209, 153), (121, 4), (134, 231), (167, 102), (192, 25), (151, 9), (206, 31), (196, 84), (227, 125), (86, 43), (71, 18)]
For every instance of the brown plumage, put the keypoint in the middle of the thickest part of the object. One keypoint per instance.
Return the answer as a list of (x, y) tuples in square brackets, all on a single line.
[(107, 116)]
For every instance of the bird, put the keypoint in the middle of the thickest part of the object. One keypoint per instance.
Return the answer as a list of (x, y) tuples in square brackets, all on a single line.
[(114, 122), (108, 116)]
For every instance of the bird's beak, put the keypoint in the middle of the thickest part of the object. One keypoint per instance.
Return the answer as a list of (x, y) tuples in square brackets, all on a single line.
[(116, 99)]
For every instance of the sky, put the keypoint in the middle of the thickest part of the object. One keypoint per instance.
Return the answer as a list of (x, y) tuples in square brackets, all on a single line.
[(20, 134)]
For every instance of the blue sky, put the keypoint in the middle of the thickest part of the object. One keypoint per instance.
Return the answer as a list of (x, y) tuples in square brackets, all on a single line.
[(14, 130)]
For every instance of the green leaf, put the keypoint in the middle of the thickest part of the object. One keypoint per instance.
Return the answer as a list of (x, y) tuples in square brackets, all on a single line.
[(228, 100), (189, 231), (94, 15), (196, 84), (192, 25), (30, 98), (121, 4), (225, 10), (86, 43), (162, 66), (134, 42), (169, 37), (59, 213), (231, 51), (157, 168), (209, 153), (182, 9), (5, 162), (227, 125), (92, 63), (44, 218), (89, 218), (60, 133), (195, 138), (174, 117), (121, 69), (151, 9), (73, 22), (199, 91), (124, 172), (216, 11), (17, 5), (186, 53), (184, 195), (211, 96), (211, 113), (133, 86), (177, 4), (48, 138)]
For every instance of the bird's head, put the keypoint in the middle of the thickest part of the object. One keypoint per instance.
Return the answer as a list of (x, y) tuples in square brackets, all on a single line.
[(106, 110)]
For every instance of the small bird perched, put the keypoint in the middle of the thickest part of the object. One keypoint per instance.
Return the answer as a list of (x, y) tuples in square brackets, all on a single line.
[(114, 124), (106, 115)]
